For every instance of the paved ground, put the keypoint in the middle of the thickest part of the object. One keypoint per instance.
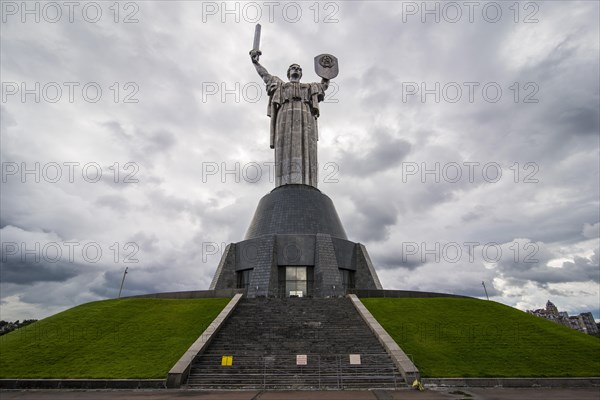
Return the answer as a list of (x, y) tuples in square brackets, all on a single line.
[(446, 393)]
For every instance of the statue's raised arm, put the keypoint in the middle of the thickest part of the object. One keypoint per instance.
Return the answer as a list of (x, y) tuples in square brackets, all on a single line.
[(262, 71), (255, 54)]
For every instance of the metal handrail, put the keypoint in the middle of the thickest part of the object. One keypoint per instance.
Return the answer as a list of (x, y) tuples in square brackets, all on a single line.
[(319, 366)]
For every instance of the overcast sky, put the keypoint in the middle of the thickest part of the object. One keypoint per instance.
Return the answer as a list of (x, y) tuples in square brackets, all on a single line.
[(459, 146)]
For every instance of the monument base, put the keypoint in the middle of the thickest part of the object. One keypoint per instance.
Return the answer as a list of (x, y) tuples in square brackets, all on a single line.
[(295, 246)]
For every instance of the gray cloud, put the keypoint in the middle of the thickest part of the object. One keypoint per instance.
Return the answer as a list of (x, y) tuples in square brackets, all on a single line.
[(385, 153), (399, 260), (371, 132), (115, 202), (31, 271), (581, 269)]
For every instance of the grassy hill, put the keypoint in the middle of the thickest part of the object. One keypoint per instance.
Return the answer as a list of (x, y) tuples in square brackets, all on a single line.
[(127, 338), (452, 337), (447, 337)]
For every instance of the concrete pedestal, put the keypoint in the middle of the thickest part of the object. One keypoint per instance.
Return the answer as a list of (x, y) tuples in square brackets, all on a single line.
[(295, 225)]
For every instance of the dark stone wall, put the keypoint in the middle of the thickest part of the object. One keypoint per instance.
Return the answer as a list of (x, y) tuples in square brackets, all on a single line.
[(291, 250), (344, 253), (246, 253), (295, 209), (328, 280), (366, 276), (296, 225), (225, 275), (326, 254), (266, 262), (296, 249)]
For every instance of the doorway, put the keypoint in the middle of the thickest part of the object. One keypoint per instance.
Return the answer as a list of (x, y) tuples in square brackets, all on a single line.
[(296, 281)]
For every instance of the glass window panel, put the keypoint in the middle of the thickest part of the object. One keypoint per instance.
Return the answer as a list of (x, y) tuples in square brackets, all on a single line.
[(301, 286), (296, 280), (248, 278), (290, 273), (301, 273), (290, 286)]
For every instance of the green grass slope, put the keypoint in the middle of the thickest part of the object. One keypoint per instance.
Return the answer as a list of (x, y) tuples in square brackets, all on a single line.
[(452, 337), (126, 338)]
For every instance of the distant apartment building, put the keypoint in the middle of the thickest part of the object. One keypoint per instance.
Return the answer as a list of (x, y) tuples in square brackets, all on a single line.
[(583, 322)]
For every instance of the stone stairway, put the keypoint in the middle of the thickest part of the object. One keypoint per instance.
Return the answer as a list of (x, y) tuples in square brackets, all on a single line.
[(264, 337)]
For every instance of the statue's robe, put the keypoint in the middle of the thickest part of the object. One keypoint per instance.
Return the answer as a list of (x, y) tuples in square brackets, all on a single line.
[(294, 109)]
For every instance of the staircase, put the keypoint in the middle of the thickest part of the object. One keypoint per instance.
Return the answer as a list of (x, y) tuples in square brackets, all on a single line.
[(264, 337)]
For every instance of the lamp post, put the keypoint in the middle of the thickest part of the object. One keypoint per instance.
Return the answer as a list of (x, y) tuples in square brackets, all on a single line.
[(122, 282)]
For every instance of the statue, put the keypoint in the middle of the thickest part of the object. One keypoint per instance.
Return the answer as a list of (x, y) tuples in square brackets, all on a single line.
[(294, 109)]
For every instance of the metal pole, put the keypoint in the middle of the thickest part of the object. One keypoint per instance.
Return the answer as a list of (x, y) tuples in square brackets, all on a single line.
[(122, 282), (486, 295)]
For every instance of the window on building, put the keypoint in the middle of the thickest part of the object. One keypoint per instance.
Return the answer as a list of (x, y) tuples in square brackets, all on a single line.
[(348, 279), (243, 278), (296, 281)]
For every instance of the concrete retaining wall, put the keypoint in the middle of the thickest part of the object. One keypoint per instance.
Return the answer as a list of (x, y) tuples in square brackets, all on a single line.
[(401, 293), (406, 367), (512, 382), (193, 294), (94, 384), (180, 371)]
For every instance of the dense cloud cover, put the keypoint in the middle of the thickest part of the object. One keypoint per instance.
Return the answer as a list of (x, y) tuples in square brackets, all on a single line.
[(458, 151)]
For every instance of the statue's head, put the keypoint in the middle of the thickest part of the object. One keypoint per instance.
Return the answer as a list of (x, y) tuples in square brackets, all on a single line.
[(294, 73)]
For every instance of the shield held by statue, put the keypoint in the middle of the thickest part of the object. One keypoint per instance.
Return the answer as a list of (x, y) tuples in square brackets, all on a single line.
[(326, 66)]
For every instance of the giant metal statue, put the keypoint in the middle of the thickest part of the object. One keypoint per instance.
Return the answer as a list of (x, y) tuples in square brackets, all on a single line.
[(294, 109), (296, 244)]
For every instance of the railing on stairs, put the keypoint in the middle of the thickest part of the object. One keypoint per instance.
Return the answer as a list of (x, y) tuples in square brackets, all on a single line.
[(321, 371)]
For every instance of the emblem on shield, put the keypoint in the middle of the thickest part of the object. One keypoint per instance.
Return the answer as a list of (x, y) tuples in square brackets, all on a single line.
[(326, 66)]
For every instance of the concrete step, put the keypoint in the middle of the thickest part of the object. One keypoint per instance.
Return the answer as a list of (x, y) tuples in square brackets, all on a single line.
[(264, 336)]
